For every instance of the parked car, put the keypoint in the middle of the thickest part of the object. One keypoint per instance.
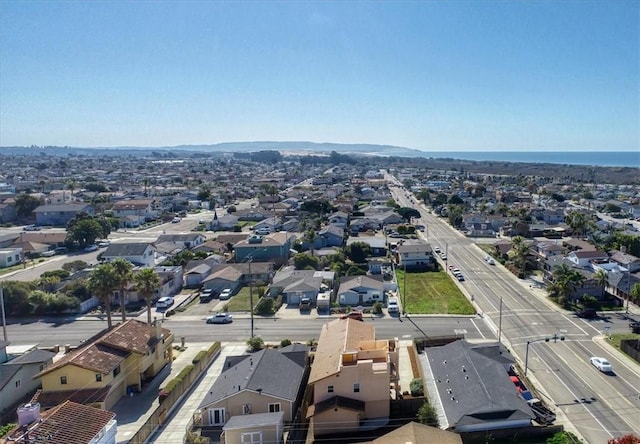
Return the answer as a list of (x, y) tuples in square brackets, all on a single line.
[(490, 261), (225, 294), (220, 318), (206, 295), (436, 250), (104, 243), (634, 326), (165, 302), (392, 306), (61, 250), (91, 247), (48, 253), (305, 304), (601, 364), (587, 313), (31, 228), (263, 231), (460, 277), (175, 220), (357, 315)]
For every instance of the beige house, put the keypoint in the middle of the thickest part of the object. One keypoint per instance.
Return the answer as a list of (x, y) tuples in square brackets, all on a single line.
[(352, 375), (269, 381), (101, 372), (258, 428)]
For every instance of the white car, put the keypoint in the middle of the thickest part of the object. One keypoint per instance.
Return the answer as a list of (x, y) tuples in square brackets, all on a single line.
[(392, 306), (601, 364), (225, 294), (165, 302), (220, 318), (490, 261)]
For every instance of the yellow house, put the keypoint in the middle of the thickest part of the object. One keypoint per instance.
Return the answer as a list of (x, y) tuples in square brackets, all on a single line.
[(352, 375), (101, 372)]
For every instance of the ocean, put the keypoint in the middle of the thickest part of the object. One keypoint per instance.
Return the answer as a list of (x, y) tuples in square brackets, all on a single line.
[(596, 158)]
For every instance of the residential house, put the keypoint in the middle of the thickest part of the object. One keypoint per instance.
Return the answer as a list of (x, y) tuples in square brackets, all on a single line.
[(248, 386), (49, 239), (377, 244), (271, 224), (138, 253), (196, 271), (415, 256), (339, 219), (480, 230), (7, 212), (256, 428), (224, 222), (359, 290), (294, 285), (134, 210), (107, 368), (252, 214), (329, 236), (415, 433), (275, 247), (60, 214), (546, 250), (583, 258), (10, 257), (68, 423), (352, 375), (470, 388), (626, 260), (363, 224), (233, 276), (183, 241), (17, 377)]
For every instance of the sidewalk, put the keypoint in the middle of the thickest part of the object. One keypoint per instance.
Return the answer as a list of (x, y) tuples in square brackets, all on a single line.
[(131, 413), (174, 429)]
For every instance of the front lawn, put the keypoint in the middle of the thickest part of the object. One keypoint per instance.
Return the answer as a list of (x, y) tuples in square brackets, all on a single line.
[(432, 293), (617, 338), (240, 301)]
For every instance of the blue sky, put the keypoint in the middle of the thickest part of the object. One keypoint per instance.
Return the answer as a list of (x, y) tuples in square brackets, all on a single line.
[(433, 75)]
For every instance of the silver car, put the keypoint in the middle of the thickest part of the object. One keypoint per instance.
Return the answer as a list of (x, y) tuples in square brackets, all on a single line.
[(220, 318)]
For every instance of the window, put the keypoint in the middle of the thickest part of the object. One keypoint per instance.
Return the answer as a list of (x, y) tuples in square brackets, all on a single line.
[(216, 416), (251, 438), (17, 383), (63, 380), (274, 408), (330, 389), (116, 371), (356, 387), (246, 409), (98, 377)]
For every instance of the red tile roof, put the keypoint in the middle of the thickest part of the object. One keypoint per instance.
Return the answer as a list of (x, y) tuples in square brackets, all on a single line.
[(69, 423)]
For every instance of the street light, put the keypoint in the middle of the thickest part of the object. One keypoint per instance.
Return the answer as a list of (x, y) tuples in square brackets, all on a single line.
[(249, 259), (555, 338)]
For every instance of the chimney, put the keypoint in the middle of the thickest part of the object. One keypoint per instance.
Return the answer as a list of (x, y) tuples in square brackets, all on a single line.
[(158, 326)]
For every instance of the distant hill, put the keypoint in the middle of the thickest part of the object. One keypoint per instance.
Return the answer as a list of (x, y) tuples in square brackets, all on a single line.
[(229, 147)]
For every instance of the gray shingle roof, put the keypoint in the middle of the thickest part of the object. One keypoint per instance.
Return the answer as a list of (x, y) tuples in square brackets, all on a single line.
[(473, 384), (271, 372), (257, 419), (32, 357), (128, 249)]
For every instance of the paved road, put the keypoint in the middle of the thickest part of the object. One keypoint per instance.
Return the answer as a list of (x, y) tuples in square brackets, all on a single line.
[(599, 406)]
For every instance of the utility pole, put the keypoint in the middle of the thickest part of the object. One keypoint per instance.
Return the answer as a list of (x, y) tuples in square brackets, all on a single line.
[(251, 294), (404, 293), (500, 323), (4, 321)]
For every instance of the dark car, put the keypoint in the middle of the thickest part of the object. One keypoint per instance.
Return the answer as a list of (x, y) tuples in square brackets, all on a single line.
[(357, 315), (635, 327), (587, 313)]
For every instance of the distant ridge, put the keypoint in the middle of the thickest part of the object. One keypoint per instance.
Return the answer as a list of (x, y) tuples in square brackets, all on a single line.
[(228, 147)]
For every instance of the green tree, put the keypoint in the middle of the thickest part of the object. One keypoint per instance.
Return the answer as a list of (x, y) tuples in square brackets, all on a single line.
[(427, 415), (265, 307), (310, 236), (407, 213), (564, 438), (255, 344), (565, 280), (147, 282), (602, 278), (302, 261), (357, 252), (25, 204), (519, 253), (83, 230), (102, 282), (123, 270), (74, 266), (416, 387)]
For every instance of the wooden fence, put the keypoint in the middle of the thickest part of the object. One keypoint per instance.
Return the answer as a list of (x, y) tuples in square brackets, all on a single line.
[(631, 347)]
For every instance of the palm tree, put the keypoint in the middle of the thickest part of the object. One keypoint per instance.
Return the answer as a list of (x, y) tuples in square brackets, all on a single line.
[(519, 253), (122, 269), (147, 282), (311, 236), (565, 281), (102, 282), (602, 278)]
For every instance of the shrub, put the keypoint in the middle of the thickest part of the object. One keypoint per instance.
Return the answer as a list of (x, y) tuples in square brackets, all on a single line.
[(285, 343), (197, 358), (377, 308), (427, 415), (7, 428), (255, 344), (265, 307), (171, 385), (417, 387)]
